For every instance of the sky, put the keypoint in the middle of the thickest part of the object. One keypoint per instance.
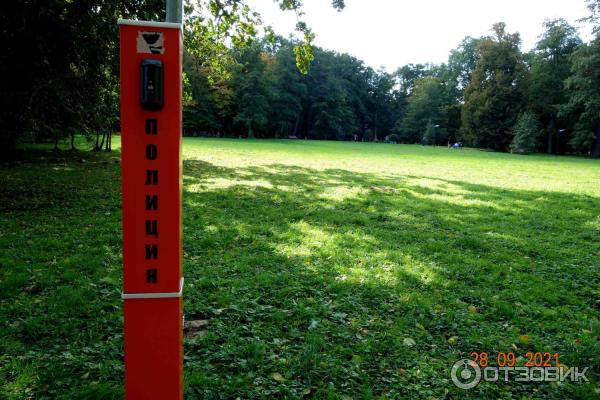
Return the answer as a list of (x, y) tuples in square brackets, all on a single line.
[(393, 33)]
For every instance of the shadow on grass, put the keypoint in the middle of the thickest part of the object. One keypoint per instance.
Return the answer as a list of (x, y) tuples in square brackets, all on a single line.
[(312, 280)]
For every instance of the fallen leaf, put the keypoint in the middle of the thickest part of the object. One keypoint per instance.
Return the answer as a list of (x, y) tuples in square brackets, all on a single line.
[(525, 339), (472, 309), (278, 377), (409, 342), (452, 340)]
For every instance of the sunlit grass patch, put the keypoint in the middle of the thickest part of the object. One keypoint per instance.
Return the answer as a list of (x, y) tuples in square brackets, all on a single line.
[(333, 268)]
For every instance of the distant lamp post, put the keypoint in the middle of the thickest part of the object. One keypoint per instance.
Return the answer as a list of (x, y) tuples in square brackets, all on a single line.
[(425, 139)]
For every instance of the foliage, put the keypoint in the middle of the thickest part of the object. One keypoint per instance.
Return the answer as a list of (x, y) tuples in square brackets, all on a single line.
[(583, 103), (495, 95), (209, 28), (371, 270), (340, 97), (423, 109), (408, 75), (252, 92), (212, 25), (68, 52), (461, 63), (550, 67), (594, 17), (61, 57), (72, 85), (393, 138), (526, 133)]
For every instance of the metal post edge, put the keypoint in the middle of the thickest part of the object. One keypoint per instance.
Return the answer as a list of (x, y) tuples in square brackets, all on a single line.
[(164, 295)]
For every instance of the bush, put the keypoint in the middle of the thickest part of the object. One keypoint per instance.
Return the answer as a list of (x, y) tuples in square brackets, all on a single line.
[(393, 138), (526, 133)]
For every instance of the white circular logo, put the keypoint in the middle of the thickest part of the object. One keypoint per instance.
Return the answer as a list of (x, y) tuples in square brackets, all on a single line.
[(466, 374)]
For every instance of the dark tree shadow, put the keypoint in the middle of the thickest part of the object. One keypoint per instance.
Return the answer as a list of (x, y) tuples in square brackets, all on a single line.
[(312, 281), (321, 275)]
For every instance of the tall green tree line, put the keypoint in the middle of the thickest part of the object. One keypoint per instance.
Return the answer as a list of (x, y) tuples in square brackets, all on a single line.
[(478, 97), (61, 63), (60, 60)]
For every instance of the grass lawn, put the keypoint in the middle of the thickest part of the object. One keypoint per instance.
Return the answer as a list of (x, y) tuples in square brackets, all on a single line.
[(324, 270)]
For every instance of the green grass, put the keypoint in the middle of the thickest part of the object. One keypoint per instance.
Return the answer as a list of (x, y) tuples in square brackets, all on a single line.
[(312, 263)]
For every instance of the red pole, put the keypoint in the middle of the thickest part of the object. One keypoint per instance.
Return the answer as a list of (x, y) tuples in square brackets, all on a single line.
[(151, 54)]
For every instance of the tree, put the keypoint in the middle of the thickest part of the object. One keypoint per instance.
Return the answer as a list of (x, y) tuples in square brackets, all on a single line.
[(423, 109), (290, 92), (383, 104), (212, 24), (68, 50), (327, 108), (252, 91), (550, 67), (594, 17), (526, 134), (583, 90), (199, 108), (583, 93), (495, 95), (461, 63), (408, 75)]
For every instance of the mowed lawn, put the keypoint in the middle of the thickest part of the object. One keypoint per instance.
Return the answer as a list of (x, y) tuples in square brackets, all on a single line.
[(319, 269)]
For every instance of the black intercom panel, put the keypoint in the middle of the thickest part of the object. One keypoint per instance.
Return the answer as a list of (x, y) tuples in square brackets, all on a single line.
[(151, 84)]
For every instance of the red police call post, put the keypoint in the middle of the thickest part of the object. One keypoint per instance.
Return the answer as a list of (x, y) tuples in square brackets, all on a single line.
[(151, 91)]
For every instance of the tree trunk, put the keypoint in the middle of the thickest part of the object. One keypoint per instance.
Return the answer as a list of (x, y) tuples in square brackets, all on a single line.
[(295, 134), (55, 141), (375, 128), (108, 140), (595, 151), (308, 122), (550, 141), (96, 147), (102, 142), (73, 141), (8, 146)]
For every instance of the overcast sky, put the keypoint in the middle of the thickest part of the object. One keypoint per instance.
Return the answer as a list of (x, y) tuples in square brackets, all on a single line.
[(392, 33)]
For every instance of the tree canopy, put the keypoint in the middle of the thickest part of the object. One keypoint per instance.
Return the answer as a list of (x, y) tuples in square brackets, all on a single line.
[(242, 80)]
